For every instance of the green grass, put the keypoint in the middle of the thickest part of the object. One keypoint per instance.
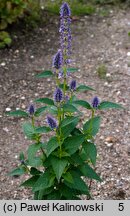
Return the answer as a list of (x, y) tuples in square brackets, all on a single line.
[(84, 7), (102, 71), (77, 7)]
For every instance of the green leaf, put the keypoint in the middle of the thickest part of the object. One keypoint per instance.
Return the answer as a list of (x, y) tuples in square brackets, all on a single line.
[(21, 156), (43, 129), (91, 151), (44, 181), (53, 110), (36, 161), (84, 88), (18, 171), (82, 103), (45, 101), (58, 165), (55, 195), (91, 127), (71, 144), (29, 131), (67, 192), (51, 145), (76, 131), (67, 125), (40, 110), (44, 192), (45, 74), (30, 182), (62, 86), (78, 183), (72, 70), (68, 177), (70, 108), (76, 159), (89, 172), (18, 113), (34, 171), (32, 150), (108, 105)]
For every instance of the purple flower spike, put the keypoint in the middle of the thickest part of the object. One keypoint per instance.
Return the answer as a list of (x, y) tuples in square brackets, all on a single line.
[(73, 85), (51, 122), (58, 95), (65, 32), (31, 109), (57, 60), (65, 10), (95, 102)]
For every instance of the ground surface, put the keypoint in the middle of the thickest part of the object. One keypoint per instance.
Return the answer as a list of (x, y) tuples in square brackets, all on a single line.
[(96, 40)]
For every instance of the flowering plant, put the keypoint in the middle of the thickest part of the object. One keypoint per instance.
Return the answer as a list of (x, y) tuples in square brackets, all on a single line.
[(58, 167)]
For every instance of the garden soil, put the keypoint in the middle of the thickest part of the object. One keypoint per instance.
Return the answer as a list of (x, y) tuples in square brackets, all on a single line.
[(97, 41)]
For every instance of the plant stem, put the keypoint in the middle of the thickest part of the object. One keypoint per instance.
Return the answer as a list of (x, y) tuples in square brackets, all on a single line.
[(33, 121)]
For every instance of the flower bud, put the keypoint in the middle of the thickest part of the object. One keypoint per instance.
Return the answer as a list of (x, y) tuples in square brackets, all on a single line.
[(73, 85), (58, 95), (31, 109), (95, 102), (65, 10), (51, 122), (57, 60)]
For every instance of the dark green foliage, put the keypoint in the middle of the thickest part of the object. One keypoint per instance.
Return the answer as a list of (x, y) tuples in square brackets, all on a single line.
[(13, 10)]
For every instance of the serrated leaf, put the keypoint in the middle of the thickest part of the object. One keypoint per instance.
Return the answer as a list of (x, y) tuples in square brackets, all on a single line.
[(18, 171), (29, 131), (32, 150), (68, 124), (84, 88), (45, 74), (42, 129), (67, 192), (68, 177), (89, 172), (82, 103), (43, 182), (76, 159), (91, 127), (40, 110), (30, 182), (78, 183), (18, 113), (58, 165), (70, 108), (71, 144), (91, 151), (44, 192), (45, 101), (108, 105), (52, 145), (36, 161)]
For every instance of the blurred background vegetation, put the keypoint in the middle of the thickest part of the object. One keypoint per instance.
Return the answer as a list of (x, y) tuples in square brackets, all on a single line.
[(31, 12)]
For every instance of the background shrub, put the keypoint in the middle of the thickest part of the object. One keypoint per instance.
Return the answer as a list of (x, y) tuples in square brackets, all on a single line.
[(13, 10)]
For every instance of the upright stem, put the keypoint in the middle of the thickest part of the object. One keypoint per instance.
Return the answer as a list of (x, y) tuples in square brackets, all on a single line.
[(33, 121), (59, 132)]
